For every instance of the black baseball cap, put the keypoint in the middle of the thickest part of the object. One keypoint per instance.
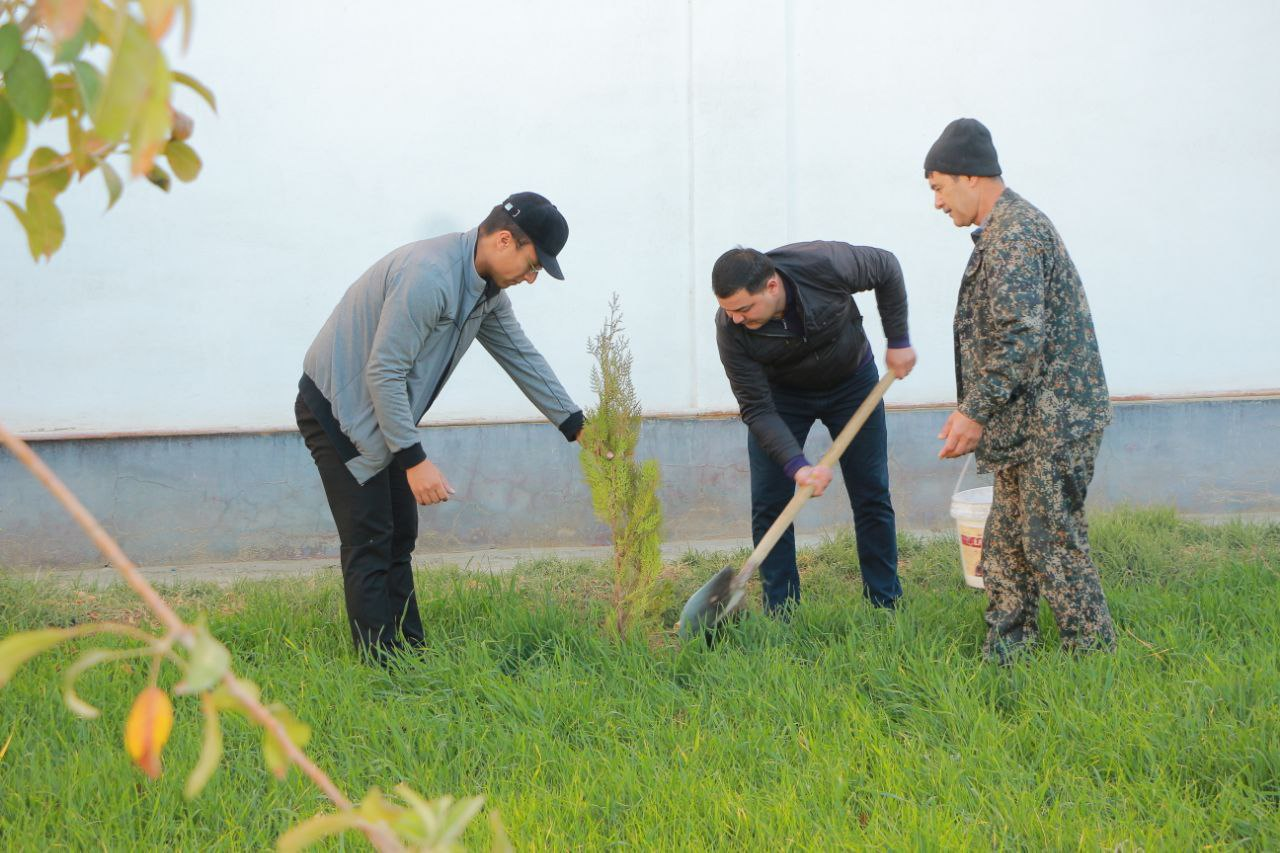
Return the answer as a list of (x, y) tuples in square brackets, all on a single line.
[(545, 225)]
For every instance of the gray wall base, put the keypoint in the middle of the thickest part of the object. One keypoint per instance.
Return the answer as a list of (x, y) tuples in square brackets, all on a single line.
[(257, 496)]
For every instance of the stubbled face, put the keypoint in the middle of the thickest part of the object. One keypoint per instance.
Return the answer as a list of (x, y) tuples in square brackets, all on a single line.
[(956, 196), (510, 264), (753, 310)]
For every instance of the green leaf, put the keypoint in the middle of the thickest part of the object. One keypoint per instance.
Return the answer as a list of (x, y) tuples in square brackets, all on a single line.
[(71, 48), (28, 85), (114, 185), (443, 820), (90, 82), (87, 661), (159, 177), (45, 176), (210, 751), (316, 828), (45, 228), (183, 159), (66, 96), (196, 86), (7, 122), (456, 820), (128, 83), (299, 733), (17, 649), (10, 44), (209, 660)]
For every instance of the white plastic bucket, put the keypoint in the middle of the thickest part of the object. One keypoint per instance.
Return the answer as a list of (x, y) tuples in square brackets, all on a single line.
[(970, 509)]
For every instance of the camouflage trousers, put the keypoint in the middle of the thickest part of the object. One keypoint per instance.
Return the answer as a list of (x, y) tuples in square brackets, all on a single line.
[(1037, 543)]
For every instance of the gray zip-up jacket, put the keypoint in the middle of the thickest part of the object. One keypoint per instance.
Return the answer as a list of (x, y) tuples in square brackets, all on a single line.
[(397, 335)]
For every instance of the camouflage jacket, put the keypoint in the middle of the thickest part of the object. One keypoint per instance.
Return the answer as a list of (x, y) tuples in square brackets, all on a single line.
[(1027, 361)]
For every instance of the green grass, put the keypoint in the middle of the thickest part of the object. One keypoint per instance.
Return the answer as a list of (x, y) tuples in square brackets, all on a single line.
[(844, 728)]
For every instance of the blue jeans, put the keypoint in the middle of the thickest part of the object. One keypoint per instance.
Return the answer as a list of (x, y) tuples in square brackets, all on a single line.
[(865, 467)]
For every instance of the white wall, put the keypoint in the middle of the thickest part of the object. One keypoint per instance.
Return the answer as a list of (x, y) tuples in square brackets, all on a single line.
[(667, 132)]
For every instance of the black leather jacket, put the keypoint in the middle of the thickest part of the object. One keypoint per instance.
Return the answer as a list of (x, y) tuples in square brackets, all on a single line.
[(831, 345)]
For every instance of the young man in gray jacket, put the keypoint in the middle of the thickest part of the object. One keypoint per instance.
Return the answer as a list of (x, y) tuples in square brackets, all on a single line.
[(379, 363)]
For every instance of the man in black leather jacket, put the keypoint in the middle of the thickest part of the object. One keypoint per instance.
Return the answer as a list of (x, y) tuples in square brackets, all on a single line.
[(791, 341)]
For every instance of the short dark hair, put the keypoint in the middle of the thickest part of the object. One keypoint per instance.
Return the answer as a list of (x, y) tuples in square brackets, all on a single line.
[(499, 220), (739, 269)]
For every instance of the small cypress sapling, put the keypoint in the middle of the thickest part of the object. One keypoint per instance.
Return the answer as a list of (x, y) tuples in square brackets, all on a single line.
[(623, 492)]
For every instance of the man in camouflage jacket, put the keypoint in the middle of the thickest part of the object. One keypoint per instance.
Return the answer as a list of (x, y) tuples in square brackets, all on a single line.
[(1032, 400)]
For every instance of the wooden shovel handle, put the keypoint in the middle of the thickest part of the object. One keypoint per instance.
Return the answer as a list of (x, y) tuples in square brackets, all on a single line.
[(829, 459)]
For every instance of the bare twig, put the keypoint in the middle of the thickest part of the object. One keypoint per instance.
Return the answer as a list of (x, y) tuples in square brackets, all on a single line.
[(66, 161)]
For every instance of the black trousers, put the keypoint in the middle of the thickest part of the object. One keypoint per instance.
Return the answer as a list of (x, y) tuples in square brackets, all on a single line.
[(377, 527)]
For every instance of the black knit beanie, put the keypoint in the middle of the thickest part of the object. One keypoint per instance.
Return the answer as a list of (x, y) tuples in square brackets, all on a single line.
[(964, 148)]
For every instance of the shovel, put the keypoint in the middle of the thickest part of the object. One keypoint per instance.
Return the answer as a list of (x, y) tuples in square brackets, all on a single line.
[(721, 597)]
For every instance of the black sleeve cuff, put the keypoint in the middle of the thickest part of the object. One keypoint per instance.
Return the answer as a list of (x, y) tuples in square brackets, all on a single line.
[(410, 456), (572, 426)]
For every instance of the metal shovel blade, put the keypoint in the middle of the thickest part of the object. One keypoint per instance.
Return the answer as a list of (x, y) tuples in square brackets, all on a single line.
[(710, 604)]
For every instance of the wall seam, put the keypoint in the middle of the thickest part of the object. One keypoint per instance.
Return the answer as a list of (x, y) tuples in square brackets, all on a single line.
[(691, 165)]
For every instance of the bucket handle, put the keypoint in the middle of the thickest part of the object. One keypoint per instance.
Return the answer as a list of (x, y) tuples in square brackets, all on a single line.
[(964, 469)]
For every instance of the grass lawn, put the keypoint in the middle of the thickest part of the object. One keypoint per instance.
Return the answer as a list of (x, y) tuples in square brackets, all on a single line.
[(844, 728)]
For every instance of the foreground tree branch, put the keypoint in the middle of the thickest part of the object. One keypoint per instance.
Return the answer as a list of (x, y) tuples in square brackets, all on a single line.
[(438, 822)]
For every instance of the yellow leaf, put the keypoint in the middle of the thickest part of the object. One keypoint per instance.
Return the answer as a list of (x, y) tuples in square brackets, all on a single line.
[(50, 171), (66, 96), (147, 728), (62, 17), (111, 21), (44, 224), (196, 86), (149, 134), (128, 83), (159, 16), (501, 841), (210, 752), (374, 807), (17, 140), (313, 829), (159, 177), (299, 733), (114, 185), (17, 649), (186, 23), (185, 163), (224, 701), (80, 159)]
